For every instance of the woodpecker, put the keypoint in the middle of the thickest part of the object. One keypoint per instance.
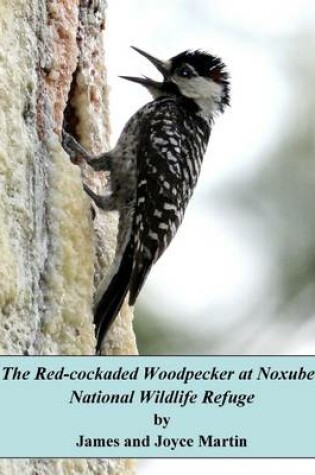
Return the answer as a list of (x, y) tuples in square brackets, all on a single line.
[(154, 169)]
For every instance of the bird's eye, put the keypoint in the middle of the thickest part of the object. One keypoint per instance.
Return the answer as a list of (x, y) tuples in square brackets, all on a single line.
[(184, 72)]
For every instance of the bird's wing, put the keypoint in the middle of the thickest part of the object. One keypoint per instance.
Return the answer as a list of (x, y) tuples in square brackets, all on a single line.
[(160, 191)]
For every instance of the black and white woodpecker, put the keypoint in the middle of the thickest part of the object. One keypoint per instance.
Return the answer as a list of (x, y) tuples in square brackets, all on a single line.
[(154, 169)]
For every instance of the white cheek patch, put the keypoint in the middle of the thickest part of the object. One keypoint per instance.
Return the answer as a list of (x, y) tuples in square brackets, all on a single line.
[(205, 92)]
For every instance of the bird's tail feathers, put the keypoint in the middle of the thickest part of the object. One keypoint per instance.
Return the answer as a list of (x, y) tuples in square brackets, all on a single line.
[(138, 278), (110, 301)]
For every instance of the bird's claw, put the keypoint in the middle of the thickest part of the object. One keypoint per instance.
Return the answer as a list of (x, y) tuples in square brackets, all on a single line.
[(68, 144)]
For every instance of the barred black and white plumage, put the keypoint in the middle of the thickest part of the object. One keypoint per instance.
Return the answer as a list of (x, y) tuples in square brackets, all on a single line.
[(154, 169)]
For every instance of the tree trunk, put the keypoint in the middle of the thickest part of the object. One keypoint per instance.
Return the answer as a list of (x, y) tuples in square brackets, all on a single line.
[(52, 251)]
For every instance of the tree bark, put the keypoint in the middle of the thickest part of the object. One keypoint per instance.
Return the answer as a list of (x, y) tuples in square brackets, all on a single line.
[(53, 253)]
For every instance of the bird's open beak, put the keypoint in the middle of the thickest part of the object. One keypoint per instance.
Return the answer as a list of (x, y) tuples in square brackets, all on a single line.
[(147, 82), (161, 66)]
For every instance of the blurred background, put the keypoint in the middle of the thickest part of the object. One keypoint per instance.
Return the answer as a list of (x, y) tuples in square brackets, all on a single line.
[(239, 277)]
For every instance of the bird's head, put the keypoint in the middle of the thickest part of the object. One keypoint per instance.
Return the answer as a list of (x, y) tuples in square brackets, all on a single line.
[(196, 75)]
